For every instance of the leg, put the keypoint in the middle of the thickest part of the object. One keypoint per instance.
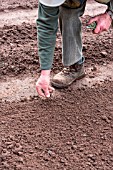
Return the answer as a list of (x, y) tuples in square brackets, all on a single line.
[(70, 26), (73, 59), (47, 24)]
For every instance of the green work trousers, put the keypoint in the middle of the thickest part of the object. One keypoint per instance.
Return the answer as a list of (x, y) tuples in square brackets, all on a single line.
[(70, 25)]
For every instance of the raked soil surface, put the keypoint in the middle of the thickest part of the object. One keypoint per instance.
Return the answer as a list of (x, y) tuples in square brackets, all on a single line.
[(73, 130)]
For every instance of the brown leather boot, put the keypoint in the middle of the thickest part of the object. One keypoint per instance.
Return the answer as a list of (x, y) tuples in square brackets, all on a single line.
[(68, 75)]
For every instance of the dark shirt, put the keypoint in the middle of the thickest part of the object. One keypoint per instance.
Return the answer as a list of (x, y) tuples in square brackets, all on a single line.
[(78, 3)]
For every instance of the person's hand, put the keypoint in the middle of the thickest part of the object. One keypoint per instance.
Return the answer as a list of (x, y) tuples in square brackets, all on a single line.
[(103, 22), (43, 84)]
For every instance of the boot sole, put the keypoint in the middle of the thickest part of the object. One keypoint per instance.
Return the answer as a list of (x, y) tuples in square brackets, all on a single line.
[(67, 85)]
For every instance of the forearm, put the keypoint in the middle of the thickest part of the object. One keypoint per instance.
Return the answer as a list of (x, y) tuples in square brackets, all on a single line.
[(47, 24)]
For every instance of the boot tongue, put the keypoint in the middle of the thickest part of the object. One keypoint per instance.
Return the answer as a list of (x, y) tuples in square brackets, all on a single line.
[(76, 67), (70, 69), (66, 70)]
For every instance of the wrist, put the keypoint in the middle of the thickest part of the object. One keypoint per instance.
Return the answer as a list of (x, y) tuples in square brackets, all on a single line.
[(45, 73)]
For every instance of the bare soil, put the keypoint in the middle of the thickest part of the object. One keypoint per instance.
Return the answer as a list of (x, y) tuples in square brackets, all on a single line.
[(69, 131), (6, 5)]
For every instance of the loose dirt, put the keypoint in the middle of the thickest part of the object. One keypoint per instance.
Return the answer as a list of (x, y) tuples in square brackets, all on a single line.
[(73, 130)]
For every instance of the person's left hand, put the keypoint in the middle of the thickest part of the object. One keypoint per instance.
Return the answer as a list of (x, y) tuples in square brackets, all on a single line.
[(103, 22)]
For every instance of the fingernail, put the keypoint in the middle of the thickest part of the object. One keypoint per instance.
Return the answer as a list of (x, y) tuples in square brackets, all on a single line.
[(48, 95)]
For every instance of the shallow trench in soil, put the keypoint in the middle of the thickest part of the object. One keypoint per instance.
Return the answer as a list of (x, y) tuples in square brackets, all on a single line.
[(24, 89)]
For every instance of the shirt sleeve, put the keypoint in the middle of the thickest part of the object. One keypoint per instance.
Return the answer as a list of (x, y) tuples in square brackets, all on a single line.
[(47, 25)]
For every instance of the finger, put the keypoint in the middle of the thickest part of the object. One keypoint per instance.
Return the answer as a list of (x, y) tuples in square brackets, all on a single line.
[(39, 91), (51, 89), (97, 29), (103, 29), (47, 94), (92, 20), (43, 91), (48, 90)]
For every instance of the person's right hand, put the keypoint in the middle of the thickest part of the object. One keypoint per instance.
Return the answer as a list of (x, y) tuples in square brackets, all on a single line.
[(43, 84)]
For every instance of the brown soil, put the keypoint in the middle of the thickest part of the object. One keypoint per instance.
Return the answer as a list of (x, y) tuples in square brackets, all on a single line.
[(71, 132), (12, 4)]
